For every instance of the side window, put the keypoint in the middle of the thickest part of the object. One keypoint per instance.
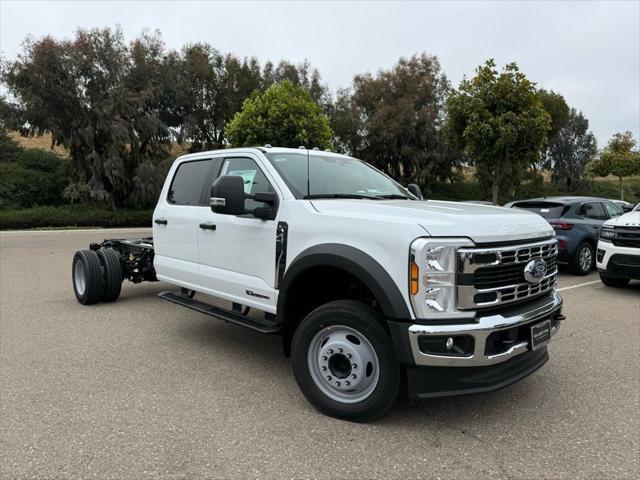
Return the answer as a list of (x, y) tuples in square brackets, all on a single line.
[(189, 181), (254, 180), (613, 210), (593, 210)]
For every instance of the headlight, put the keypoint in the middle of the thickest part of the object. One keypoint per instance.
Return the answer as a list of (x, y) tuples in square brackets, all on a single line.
[(607, 234), (432, 277)]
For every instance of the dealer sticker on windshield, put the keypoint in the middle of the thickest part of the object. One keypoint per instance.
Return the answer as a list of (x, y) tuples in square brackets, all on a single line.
[(540, 334)]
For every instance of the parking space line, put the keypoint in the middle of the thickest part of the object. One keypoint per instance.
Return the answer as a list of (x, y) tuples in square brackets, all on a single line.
[(578, 286)]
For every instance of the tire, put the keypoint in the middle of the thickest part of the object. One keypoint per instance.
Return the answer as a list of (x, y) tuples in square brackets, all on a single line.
[(613, 281), (583, 260), (346, 331), (86, 274), (112, 274)]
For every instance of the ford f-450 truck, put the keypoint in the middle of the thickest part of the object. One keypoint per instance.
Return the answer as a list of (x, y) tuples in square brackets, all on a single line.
[(372, 288)]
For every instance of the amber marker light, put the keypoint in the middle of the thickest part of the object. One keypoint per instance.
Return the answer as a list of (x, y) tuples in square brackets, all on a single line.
[(413, 278)]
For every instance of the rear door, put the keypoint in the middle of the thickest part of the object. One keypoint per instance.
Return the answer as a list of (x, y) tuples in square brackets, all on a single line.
[(237, 258), (175, 227), (593, 215)]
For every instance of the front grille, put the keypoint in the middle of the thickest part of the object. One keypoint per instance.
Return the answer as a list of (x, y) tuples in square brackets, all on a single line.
[(627, 237), (489, 277)]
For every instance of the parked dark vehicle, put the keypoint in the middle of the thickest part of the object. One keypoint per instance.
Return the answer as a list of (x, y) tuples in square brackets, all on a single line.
[(577, 222), (626, 206)]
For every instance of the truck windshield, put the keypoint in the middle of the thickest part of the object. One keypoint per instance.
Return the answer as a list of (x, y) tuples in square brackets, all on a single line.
[(332, 176)]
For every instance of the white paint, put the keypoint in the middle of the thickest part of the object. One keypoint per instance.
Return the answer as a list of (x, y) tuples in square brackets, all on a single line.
[(578, 286)]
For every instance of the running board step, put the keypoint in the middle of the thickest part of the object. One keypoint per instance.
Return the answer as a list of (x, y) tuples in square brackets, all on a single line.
[(220, 313)]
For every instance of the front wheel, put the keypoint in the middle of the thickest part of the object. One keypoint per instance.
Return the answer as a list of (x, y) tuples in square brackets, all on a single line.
[(344, 362), (613, 281), (583, 260)]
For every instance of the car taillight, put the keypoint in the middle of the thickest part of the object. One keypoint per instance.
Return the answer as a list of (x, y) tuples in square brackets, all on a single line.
[(562, 225)]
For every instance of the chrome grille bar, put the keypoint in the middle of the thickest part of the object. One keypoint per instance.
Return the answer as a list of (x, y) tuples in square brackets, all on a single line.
[(496, 266)]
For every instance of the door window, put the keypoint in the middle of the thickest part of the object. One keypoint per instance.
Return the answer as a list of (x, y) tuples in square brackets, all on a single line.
[(594, 210), (254, 180), (190, 181), (613, 210)]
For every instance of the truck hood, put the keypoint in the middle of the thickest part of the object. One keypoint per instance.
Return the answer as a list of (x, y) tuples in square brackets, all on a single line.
[(630, 219), (480, 223)]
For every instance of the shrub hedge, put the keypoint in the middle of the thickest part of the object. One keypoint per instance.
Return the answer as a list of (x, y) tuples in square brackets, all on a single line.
[(73, 216)]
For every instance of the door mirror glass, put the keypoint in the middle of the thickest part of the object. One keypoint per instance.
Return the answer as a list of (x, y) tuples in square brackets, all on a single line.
[(227, 195), (415, 190)]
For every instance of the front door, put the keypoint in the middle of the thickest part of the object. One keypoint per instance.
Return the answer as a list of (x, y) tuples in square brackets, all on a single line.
[(237, 253)]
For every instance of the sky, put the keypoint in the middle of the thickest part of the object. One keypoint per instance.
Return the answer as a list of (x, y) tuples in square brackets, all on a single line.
[(587, 51)]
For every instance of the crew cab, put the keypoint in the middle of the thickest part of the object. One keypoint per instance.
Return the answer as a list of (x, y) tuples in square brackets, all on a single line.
[(372, 288), (618, 255)]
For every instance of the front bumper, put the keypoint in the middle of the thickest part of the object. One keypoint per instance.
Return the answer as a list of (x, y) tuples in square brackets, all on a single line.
[(617, 261), (485, 367)]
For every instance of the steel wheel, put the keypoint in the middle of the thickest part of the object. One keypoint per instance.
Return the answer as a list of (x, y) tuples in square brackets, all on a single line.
[(79, 277), (343, 364)]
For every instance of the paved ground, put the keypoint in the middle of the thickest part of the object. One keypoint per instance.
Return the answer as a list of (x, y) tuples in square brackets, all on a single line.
[(145, 389)]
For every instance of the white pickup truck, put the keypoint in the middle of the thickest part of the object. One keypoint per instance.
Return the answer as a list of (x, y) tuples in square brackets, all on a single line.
[(372, 288), (618, 255)]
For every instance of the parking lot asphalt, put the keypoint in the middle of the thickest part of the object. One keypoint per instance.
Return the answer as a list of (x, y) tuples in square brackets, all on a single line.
[(145, 389)]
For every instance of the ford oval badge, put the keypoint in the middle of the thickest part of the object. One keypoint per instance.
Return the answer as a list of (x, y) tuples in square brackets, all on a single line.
[(535, 270)]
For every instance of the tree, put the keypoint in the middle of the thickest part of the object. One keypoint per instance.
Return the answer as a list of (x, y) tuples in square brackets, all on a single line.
[(393, 120), (103, 99), (558, 110), (571, 149), (618, 158), (284, 115), (498, 121)]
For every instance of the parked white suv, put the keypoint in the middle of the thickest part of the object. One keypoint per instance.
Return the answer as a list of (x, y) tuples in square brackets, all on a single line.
[(366, 282), (618, 255)]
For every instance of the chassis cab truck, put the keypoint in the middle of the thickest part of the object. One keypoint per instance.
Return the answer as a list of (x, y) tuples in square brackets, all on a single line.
[(371, 288)]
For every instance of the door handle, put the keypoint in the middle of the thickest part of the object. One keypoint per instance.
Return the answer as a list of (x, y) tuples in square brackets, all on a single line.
[(161, 221), (207, 226)]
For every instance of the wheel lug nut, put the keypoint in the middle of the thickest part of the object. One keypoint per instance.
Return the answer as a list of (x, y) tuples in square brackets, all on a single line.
[(337, 384), (324, 368), (348, 355), (324, 359), (353, 365), (347, 383), (329, 377), (339, 350), (330, 351), (353, 375)]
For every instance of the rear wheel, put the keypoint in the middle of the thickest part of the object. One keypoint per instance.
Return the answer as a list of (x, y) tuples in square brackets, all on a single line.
[(112, 274), (583, 260), (344, 362), (613, 281), (87, 276)]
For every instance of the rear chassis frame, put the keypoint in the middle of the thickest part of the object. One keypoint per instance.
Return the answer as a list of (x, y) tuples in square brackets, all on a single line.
[(136, 257)]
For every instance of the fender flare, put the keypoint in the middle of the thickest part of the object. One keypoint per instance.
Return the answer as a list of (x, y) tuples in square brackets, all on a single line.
[(353, 261)]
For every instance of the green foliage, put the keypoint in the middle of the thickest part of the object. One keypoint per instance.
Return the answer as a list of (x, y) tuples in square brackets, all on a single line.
[(569, 152), (498, 122), (392, 120), (284, 115), (30, 177), (73, 216), (619, 159)]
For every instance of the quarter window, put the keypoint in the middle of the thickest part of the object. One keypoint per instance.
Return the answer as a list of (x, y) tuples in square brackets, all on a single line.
[(189, 181)]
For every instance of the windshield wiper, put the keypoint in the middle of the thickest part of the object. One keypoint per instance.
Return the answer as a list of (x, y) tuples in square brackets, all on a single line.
[(393, 196), (340, 195)]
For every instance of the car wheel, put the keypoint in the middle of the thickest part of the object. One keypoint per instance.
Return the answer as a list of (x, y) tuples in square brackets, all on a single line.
[(584, 259), (86, 274), (112, 273), (344, 362), (613, 281)]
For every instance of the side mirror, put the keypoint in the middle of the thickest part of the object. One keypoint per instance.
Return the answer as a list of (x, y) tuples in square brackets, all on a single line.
[(415, 190), (227, 195)]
